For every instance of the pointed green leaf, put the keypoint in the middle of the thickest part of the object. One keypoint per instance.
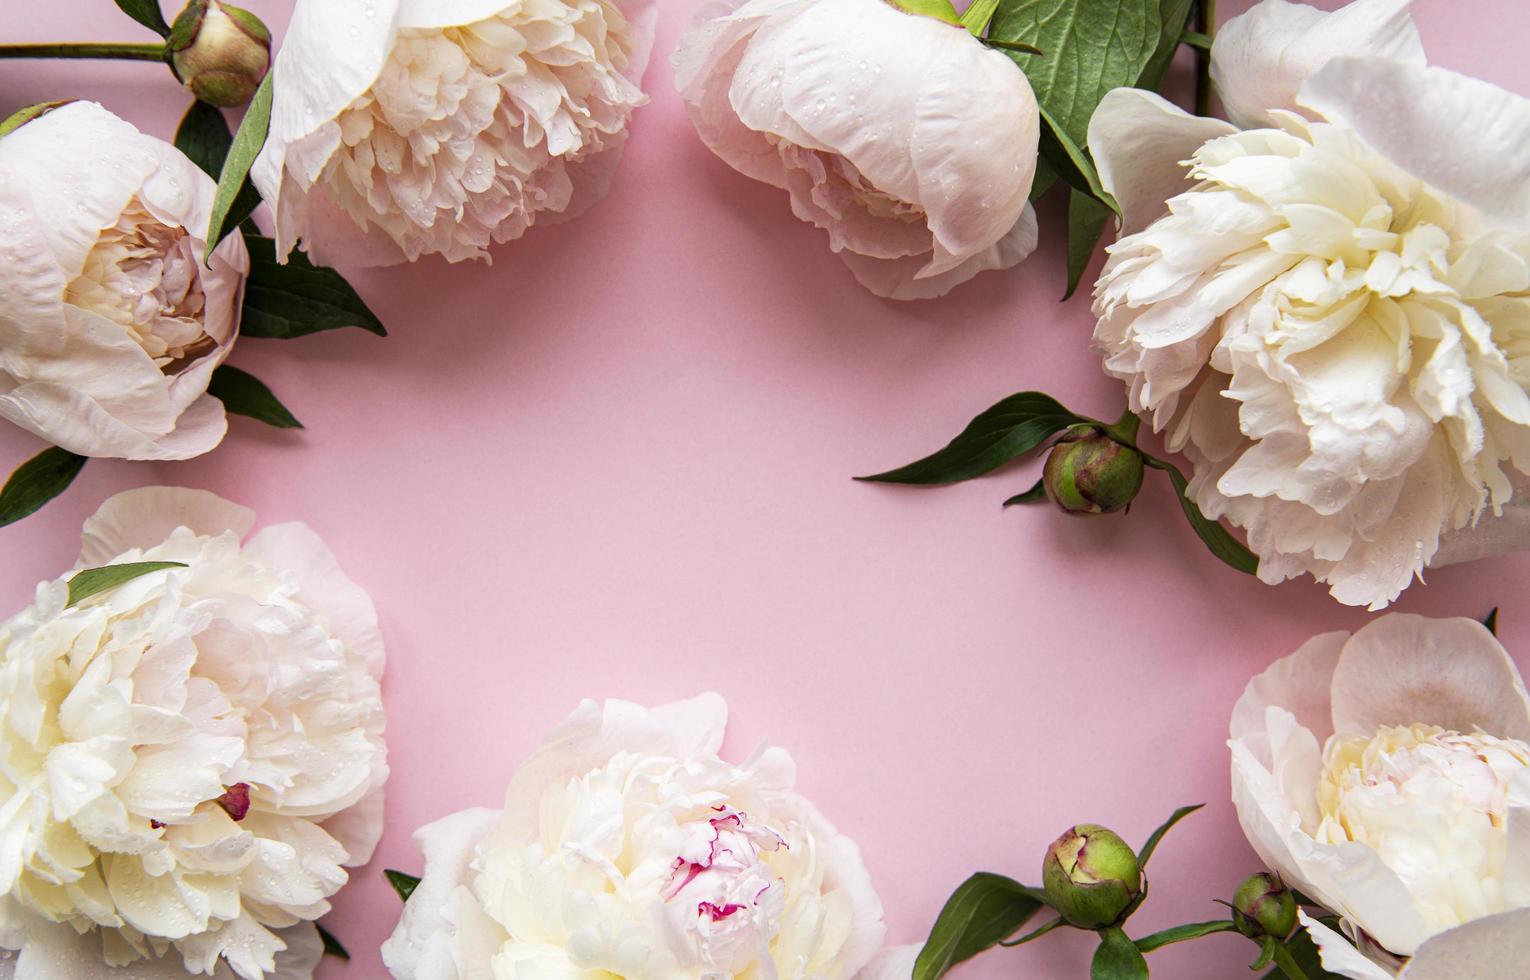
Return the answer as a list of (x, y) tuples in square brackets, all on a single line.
[(1175, 15), (1217, 538), (977, 15), (1031, 496), (1004, 432), (147, 13), (244, 394), (332, 945), (404, 884), (232, 203), (941, 10), (983, 910), (21, 117), (1178, 934), (204, 136), (1092, 46), (1492, 621), (298, 298), (1164, 828), (1071, 162), (1087, 218), (38, 481), (1117, 958), (94, 581), (1304, 954)]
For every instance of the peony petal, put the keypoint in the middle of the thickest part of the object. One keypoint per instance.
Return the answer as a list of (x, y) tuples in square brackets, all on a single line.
[(1492, 535), (1140, 142), (1338, 954), (1261, 58), (1492, 946), (892, 963), (423, 935), (1299, 684), (143, 518), (1459, 134), (1516, 872), (1404, 669), (904, 279)]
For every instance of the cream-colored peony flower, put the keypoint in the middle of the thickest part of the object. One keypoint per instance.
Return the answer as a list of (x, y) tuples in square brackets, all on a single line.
[(1387, 776), (402, 128), (110, 326), (905, 138), (1332, 319), (627, 846), (188, 761)]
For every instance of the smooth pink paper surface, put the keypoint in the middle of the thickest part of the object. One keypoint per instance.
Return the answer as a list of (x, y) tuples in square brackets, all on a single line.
[(616, 463)]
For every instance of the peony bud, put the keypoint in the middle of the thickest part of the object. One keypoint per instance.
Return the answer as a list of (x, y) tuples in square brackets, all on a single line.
[(1264, 906), (219, 52), (1091, 876), (1088, 472)]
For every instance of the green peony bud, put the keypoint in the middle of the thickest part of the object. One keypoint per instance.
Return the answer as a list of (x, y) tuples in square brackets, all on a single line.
[(1091, 876), (219, 52), (1264, 906), (1088, 472)]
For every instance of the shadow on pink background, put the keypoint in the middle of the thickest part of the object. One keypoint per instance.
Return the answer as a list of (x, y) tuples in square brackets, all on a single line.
[(617, 464)]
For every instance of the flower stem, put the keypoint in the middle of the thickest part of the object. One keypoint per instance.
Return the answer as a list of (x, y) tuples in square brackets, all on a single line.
[(1206, 26), (125, 52)]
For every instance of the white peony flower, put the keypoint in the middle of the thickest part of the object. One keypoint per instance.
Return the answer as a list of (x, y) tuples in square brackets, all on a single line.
[(191, 760), (110, 326), (905, 138), (401, 128), (627, 846), (1332, 320), (1387, 776)]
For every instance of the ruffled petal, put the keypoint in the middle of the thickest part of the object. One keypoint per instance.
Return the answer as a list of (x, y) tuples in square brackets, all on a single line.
[(420, 947), (1492, 946), (1338, 954), (143, 518)]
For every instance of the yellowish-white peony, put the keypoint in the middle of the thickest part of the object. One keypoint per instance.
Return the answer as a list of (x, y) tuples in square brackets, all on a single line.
[(402, 128), (110, 325), (1387, 776), (188, 761), (905, 138), (627, 846), (1331, 320)]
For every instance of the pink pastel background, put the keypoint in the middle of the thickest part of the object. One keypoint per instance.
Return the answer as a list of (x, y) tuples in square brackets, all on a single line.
[(617, 464)]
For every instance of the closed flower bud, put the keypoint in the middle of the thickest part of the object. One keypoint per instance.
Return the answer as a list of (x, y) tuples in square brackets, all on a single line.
[(1091, 876), (220, 52), (1088, 472), (1264, 906)]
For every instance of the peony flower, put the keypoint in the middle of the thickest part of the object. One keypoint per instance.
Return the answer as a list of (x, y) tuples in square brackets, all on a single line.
[(1386, 775), (441, 126), (626, 845), (191, 760), (868, 117), (110, 326), (1331, 320)]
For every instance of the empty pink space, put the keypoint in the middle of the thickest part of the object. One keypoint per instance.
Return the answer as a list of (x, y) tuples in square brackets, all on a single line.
[(616, 463)]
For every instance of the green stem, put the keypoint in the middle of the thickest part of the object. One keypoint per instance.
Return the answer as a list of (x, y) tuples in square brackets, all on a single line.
[(1206, 24), (125, 52), (1036, 934), (1287, 963)]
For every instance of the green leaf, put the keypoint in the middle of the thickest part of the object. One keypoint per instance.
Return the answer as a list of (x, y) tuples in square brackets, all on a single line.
[(1175, 15), (332, 945), (147, 13), (1087, 218), (983, 910), (21, 117), (1092, 46), (1179, 934), (1031, 496), (1217, 538), (232, 203), (1164, 828), (1069, 160), (1492, 621), (1304, 953), (299, 298), (1117, 958), (404, 884), (1009, 429), (244, 394), (978, 15), (38, 481), (94, 581)]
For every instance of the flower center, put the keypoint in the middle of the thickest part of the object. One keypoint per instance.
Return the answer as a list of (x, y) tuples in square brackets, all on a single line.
[(1433, 804), (142, 274), (722, 893)]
